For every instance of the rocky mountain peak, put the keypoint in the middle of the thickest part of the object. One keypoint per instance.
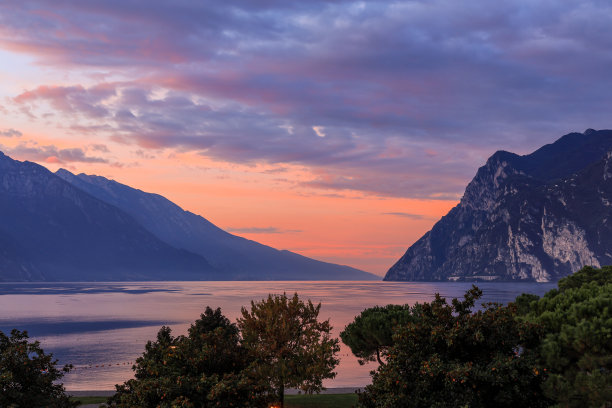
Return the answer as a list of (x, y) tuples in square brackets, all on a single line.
[(483, 191), (536, 217)]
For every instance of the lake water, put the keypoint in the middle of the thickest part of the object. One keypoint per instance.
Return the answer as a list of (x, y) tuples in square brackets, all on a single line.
[(101, 328)]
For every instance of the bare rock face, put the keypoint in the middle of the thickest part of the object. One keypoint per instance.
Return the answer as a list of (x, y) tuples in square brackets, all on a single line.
[(537, 217)]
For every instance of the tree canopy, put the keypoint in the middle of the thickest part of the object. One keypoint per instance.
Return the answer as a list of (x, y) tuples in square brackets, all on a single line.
[(371, 333), (577, 346), (206, 368), (28, 374), (446, 356), (289, 346)]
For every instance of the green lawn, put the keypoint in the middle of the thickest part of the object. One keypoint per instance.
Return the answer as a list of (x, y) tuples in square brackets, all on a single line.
[(90, 400), (321, 401), (291, 401)]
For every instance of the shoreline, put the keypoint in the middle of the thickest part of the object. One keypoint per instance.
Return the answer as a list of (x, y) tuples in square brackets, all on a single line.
[(291, 391)]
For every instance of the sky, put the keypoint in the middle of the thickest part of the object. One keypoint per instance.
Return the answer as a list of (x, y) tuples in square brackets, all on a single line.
[(342, 130)]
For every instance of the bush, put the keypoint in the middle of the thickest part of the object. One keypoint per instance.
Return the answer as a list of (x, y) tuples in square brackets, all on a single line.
[(446, 356), (371, 333), (290, 347), (206, 368), (577, 346), (27, 374)]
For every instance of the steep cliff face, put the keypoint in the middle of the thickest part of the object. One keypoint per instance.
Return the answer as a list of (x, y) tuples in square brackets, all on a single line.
[(537, 217)]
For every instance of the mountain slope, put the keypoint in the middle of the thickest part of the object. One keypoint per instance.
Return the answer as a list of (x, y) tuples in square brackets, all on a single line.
[(238, 257), (536, 217), (50, 230)]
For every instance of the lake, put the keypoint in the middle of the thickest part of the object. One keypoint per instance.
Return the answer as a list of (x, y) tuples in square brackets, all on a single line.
[(101, 328)]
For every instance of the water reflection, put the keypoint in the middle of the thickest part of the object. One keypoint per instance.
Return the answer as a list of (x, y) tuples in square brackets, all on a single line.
[(102, 327)]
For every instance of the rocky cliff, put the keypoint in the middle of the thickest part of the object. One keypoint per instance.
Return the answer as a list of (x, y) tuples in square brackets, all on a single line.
[(537, 217)]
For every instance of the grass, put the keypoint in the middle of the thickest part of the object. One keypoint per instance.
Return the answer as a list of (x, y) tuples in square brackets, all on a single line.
[(321, 401), (89, 400), (291, 401)]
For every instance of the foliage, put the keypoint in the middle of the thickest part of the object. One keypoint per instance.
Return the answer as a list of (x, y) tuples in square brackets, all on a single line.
[(371, 333), (27, 374), (577, 347), (587, 275), (447, 356), (289, 345), (204, 369)]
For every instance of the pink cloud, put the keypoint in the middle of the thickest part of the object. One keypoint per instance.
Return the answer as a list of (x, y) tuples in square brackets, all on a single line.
[(50, 154), (248, 81)]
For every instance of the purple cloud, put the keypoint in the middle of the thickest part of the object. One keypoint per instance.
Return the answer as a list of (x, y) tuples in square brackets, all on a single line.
[(99, 148), (261, 230), (406, 215), (10, 133), (360, 92), (51, 154)]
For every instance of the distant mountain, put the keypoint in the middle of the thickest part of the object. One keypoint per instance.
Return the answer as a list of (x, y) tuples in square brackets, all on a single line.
[(237, 257), (51, 230), (537, 217)]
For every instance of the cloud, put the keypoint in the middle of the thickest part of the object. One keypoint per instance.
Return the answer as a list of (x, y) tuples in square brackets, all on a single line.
[(260, 230), (276, 170), (99, 148), (10, 133), (51, 154), (361, 93), (407, 215), (70, 100), (319, 130), (340, 161)]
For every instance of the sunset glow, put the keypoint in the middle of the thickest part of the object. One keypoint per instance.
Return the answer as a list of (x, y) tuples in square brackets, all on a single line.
[(339, 130)]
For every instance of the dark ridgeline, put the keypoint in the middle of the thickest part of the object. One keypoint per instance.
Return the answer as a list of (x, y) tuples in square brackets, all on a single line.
[(86, 228), (536, 217), (237, 257), (51, 230)]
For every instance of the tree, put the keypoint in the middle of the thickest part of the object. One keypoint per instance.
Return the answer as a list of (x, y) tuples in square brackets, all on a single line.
[(290, 347), (371, 333), (206, 368), (28, 375), (446, 356), (577, 346)]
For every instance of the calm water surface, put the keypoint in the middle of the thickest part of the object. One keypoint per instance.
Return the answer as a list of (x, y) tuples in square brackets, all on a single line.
[(101, 328)]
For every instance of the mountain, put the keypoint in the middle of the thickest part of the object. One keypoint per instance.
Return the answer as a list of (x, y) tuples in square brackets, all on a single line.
[(51, 230), (537, 217), (237, 257)]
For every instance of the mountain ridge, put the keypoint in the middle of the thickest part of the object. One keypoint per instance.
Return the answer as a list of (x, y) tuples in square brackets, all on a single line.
[(51, 230), (523, 217), (54, 227), (238, 257)]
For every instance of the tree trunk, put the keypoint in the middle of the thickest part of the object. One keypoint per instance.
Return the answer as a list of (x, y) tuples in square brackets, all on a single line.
[(378, 356), (281, 394)]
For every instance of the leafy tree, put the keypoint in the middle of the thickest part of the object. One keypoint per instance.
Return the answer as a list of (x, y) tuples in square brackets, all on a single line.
[(577, 347), (27, 374), (447, 356), (371, 333), (206, 368), (289, 345)]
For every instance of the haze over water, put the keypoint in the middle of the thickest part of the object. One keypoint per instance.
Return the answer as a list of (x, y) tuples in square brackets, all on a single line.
[(107, 324)]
